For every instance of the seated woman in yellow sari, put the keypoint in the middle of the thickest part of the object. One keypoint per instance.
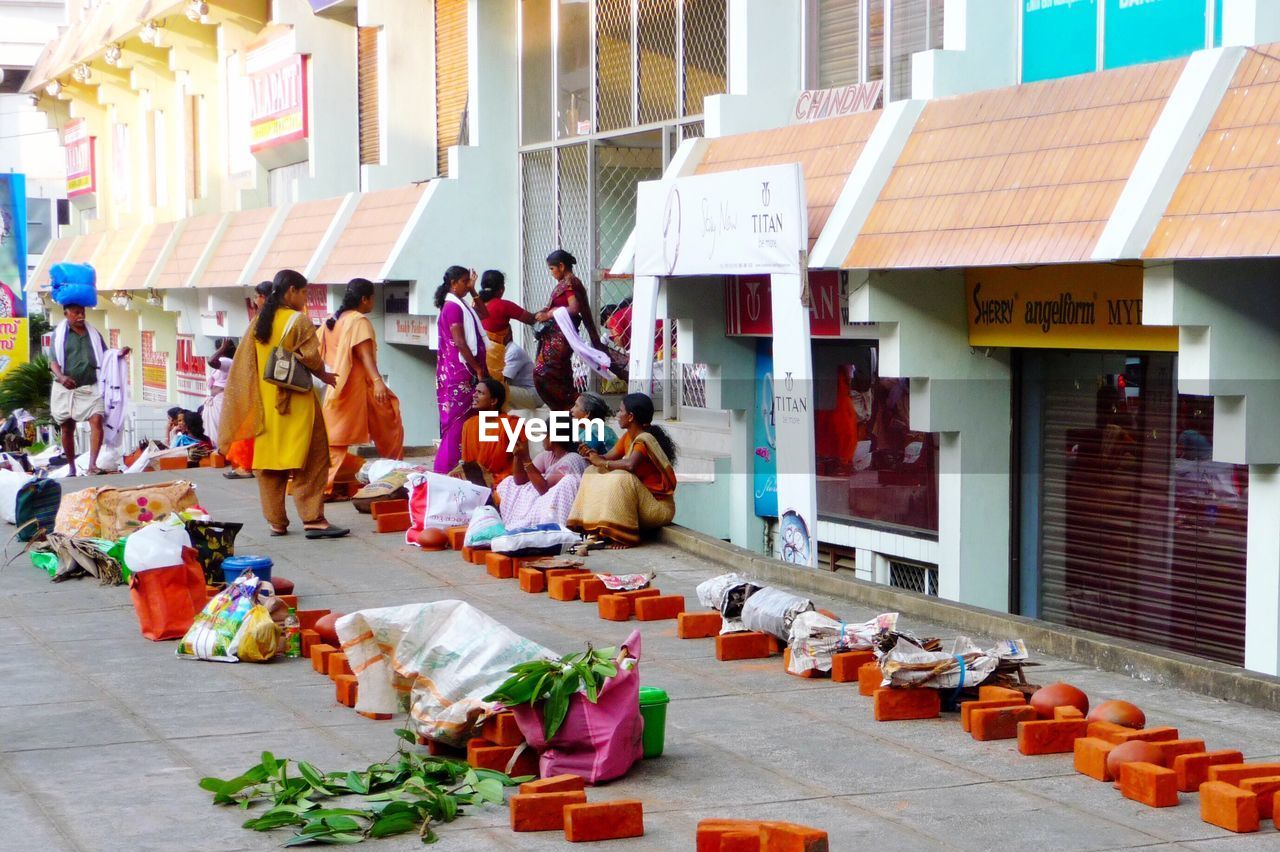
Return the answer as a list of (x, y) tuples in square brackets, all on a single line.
[(632, 487), (486, 451)]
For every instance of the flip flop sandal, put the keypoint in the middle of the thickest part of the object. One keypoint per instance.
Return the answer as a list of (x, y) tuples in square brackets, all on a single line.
[(275, 531), (231, 474), (328, 532)]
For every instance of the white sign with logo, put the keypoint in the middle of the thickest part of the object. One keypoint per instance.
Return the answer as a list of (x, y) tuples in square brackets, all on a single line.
[(728, 223), (817, 104), (400, 326)]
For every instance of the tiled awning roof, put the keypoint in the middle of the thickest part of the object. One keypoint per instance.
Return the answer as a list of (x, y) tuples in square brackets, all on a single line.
[(1027, 174), (1227, 203), (826, 151), (366, 245), (55, 252), (299, 237), (233, 251)]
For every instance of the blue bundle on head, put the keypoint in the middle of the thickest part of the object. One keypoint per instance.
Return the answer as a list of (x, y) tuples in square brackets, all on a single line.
[(74, 284)]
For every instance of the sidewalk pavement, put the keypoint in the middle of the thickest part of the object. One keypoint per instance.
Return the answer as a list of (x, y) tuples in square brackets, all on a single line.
[(104, 735)]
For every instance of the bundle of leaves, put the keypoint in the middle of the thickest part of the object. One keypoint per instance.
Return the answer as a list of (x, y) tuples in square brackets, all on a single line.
[(553, 682), (28, 386), (409, 792)]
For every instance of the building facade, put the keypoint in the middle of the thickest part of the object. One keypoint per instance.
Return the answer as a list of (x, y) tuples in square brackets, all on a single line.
[(1034, 351)]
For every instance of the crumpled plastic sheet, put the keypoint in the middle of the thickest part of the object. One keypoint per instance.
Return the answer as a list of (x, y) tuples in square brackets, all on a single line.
[(815, 638)]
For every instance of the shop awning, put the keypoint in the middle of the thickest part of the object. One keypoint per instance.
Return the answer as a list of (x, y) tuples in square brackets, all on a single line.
[(1227, 203), (370, 241), (176, 269), (826, 151), (233, 251), (299, 237), (86, 38), (86, 249), (138, 272), (55, 252), (116, 254), (1027, 174)]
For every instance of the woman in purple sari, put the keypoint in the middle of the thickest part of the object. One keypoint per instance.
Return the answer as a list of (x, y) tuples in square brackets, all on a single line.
[(459, 363)]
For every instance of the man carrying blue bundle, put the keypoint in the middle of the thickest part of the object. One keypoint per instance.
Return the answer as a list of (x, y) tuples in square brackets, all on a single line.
[(80, 363)]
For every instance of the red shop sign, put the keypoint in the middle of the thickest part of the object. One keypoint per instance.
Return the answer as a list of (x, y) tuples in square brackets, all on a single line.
[(748, 305), (81, 177), (279, 104)]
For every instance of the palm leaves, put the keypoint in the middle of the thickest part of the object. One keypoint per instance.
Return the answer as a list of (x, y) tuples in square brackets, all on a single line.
[(28, 386)]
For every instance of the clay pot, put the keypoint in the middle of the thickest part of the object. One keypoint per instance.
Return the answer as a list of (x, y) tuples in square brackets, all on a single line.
[(1136, 751), (1058, 695), (282, 586), (326, 626), (433, 539), (1120, 713)]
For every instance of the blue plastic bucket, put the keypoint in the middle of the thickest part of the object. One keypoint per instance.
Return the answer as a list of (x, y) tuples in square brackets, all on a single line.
[(234, 566)]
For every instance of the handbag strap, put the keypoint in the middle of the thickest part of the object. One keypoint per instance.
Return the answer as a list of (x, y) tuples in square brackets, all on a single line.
[(288, 326)]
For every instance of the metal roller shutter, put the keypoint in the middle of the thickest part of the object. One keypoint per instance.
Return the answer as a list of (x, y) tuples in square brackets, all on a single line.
[(367, 75), (451, 76), (839, 43), (1132, 544)]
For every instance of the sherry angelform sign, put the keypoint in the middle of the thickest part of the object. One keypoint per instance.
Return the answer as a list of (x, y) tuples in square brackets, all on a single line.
[(752, 221), (728, 223)]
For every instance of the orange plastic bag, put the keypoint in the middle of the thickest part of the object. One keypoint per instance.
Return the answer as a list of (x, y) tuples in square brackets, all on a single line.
[(166, 600)]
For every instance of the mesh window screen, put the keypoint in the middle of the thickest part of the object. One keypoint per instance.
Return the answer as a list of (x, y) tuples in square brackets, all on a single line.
[(614, 72), (538, 217), (657, 49), (705, 46)]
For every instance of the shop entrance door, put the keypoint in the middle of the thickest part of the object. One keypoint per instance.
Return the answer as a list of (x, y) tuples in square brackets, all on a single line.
[(1135, 531)]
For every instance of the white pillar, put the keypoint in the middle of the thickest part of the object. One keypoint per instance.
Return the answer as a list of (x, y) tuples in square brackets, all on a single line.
[(644, 326), (793, 414), (1248, 22), (1262, 584), (766, 66)]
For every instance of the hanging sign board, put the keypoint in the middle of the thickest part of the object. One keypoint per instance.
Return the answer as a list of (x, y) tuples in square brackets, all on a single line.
[(1095, 306), (80, 158), (748, 305), (728, 223)]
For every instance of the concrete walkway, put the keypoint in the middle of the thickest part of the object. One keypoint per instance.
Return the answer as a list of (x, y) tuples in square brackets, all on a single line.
[(104, 735)]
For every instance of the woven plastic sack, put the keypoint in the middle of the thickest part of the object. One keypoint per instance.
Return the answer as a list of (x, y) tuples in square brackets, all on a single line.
[(435, 660), (78, 514)]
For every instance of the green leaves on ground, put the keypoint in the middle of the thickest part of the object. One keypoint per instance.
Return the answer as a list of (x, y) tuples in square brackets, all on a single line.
[(554, 682), (407, 793)]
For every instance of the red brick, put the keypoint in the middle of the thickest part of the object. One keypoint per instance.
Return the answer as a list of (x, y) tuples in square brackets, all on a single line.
[(435, 748), (1265, 789), (456, 536), (845, 665), (378, 508), (1000, 693), (967, 709), (1169, 749), (591, 588), (499, 565), (307, 618), (744, 646), (604, 821), (392, 522), (377, 717), (614, 608), (1149, 735), (1234, 773), (542, 811), (346, 688), (320, 657), (697, 625), (639, 593), (501, 729), (870, 678), (337, 665), (1193, 769), (1050, 736), (786, 667), (532, 581), (1153, 786), (711, 832), (1227, 806), (1091, 757), (310, 638), (740, 841), (999, 723), (1107, 731), (475, 744), (1067, 712), (563, 587), (894, 705), (789, 837), (660, 608), (566, 572), (554, 784), (497, 757), (215, 460)]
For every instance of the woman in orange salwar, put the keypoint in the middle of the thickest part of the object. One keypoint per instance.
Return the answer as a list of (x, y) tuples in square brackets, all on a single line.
[(360, 407), (486, 451)]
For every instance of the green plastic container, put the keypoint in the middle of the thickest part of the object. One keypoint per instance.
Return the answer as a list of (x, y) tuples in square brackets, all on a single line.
[(653, 708)]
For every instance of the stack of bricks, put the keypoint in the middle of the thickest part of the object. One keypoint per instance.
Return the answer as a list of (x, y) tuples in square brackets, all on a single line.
[(735, 835), (620, 606), (501, 747), (560, 804)]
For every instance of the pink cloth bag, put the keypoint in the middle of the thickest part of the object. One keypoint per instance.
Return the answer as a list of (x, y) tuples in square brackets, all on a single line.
[(598, 742)]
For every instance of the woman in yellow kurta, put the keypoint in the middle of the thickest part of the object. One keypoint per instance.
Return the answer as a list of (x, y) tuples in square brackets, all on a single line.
[(632, 487), (286, 425), (360, 406)]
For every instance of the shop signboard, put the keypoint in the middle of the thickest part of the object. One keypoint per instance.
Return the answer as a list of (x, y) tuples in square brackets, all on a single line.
[(278, 82), (748, 305), (1097, 306), (317, 303), (190, 371), (155, 370), (400, 326), (214, 323), (14, 345), (79, 146), (817, 104), (1059, 38), (728, 223), (764, 444)]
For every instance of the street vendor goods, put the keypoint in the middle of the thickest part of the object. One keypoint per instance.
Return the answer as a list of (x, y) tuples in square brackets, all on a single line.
[(815, 638), (906, 663), (441, 501), (727, 594), (436, 660), (123, 510), (215, 633), (772, 611)]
